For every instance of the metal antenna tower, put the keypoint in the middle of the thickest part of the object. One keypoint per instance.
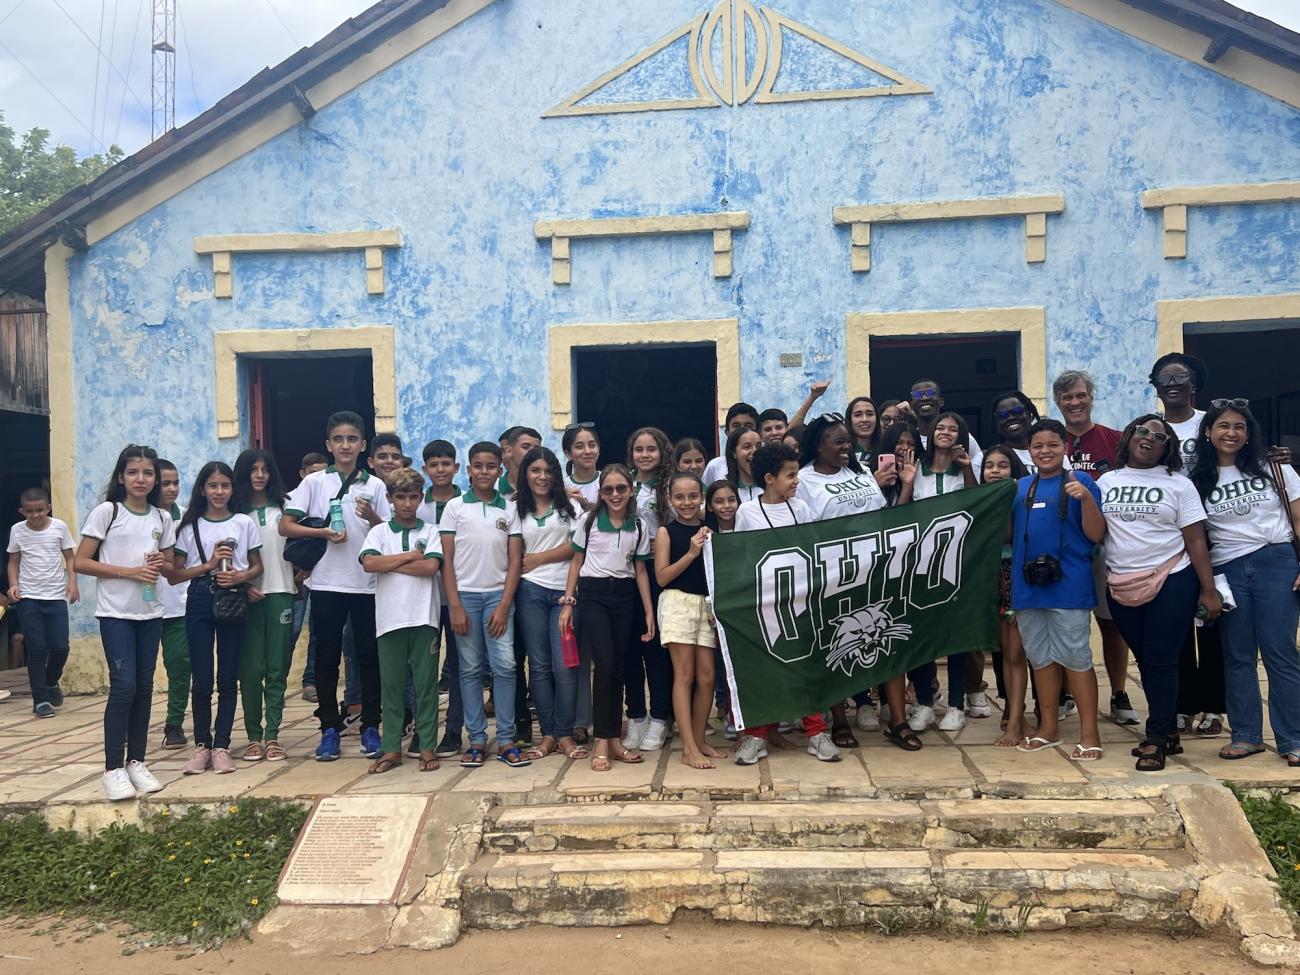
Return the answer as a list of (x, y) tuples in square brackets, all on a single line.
[(164, 67)]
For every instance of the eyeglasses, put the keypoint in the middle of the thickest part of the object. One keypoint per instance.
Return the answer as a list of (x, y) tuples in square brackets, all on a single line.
[(1148, 433), (1008, 414), (925, 393), (1174, 379), (613, 490), (1237, 403), (583, 425)]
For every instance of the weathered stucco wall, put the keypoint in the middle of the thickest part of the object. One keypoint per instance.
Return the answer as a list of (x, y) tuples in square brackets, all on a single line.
[(450, 146)]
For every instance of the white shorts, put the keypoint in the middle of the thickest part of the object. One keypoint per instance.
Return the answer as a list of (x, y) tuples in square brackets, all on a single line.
[(684, 617)]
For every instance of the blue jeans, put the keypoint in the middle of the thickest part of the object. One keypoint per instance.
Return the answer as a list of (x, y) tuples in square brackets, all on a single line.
[(479, 651), (200, 631), (131, 650), (554, 686), (1266, 617), (45, 632)]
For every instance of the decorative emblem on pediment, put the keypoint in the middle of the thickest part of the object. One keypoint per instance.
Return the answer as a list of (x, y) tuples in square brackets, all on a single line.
[(736, 54)]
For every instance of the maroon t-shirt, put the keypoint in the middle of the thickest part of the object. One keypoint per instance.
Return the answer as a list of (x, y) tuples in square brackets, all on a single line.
[(1094, 452)]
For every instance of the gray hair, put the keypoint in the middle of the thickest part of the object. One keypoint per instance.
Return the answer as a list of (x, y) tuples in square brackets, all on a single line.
[(1070, 378)]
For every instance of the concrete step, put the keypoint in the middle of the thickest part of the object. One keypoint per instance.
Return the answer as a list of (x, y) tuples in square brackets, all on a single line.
[(996, 888), (1126, 824)]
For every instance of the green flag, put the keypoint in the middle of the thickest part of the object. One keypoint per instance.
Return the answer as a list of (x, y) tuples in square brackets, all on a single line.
[(811, 614)]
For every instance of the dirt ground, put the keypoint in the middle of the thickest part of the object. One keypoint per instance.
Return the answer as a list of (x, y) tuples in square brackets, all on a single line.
[(691, 946)]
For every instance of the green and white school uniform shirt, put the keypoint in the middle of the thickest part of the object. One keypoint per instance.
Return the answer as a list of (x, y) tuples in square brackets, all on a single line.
[(647, 506), (1146, 511), (277, 574), (932, 484), (173, 597), (240, 528), (482, 533), (338, 569), (540, 534), (403, 601), (609, 552), (590, 490), (842, 493), (431, 509), (1245, 513), (125, 539)]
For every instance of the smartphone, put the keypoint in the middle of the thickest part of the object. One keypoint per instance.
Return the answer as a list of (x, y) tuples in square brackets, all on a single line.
[(886, 463)]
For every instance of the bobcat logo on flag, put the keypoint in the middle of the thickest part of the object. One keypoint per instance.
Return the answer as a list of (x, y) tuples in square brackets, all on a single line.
[(861, 637)]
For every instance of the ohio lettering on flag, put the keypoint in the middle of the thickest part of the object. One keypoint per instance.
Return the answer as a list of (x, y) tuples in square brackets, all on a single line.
[(809, 615)]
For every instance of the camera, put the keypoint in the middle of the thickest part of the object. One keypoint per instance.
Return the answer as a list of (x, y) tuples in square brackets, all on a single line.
[(1043, 571)]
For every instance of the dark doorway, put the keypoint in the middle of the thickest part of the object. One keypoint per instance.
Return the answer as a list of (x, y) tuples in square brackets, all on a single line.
[(970, 371), (26, 437), (290, 398), (1255, 360), (673, 387)]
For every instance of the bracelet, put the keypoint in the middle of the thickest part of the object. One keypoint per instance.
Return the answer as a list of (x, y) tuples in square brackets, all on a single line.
[(567, 600)]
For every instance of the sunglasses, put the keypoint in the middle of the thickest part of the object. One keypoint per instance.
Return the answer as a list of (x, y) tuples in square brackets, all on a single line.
[(613, 490), (1176, 379), (1236, 403), (583, 425), (1148, 433), (925, 394), (1008, 414)]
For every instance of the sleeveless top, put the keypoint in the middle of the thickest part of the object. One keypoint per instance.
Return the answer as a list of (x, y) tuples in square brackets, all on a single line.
[(692, 580)]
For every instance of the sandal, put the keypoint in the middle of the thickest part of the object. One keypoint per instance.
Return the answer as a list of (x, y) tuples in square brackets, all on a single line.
[(581, 737), (904, 737), (1087, 753), (254, 752), (1209, 726), (630, 757), (1042, 744), (575, 752), (275, 751), (1293, 759), (513, 757), (474, 757), (1151, 756), (429, 762), (600, 763), (1173, 746), (539, 752), (842, 735), (1236, 750), (385, 763)]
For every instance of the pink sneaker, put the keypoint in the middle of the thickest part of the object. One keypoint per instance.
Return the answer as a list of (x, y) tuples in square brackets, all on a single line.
[(221, 761), (200, 762)]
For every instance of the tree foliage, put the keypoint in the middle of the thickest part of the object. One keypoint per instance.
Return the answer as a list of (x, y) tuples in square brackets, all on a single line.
[(34, 174)]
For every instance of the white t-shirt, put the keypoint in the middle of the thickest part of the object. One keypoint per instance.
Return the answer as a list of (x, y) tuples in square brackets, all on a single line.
[(551, 530), (239, 527), (715, 470), (931, 484), (754, 515), (173, 597), (277, 574), (1146, 510), (837, 495), (647, 507), (482, 530), (338, 569), (609, 552), (590, 490), (1244, 513), (403, 601), (42, 571), (124, 541), (1186, 432), (1026, 458)]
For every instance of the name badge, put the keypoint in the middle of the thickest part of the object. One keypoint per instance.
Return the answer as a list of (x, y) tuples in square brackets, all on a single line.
[(1040, 504)]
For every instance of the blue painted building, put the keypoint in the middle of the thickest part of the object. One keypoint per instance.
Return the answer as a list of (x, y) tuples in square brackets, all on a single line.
[(458, 215)]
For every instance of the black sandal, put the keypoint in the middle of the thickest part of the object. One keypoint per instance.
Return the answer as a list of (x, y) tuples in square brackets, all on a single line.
[(842, 736), (904, 737), (580, 736), (1151, 761)]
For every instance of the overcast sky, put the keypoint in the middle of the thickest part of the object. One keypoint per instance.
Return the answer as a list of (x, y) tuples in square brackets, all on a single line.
[(81, 68)]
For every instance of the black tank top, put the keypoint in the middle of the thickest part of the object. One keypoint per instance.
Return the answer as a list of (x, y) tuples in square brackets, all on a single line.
[(679, 543)]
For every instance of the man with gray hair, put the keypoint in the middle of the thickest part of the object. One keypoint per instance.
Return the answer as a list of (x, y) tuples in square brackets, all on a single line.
[(1091, 448)]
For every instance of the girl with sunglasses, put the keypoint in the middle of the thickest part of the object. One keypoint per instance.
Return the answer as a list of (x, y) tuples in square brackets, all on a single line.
[(1158, 570), (607, 583), (1014, 413), (1253, 510)]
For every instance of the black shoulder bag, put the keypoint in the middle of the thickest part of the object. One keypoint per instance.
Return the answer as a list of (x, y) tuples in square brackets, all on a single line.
[(228, 605), (304, 553)]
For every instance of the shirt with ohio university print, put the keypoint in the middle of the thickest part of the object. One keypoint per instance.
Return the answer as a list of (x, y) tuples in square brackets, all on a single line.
[(338, 569), (482, 532), (839, 494), (1245, 513)]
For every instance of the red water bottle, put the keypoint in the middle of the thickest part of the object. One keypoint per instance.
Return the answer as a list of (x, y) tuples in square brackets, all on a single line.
[(569, 647)]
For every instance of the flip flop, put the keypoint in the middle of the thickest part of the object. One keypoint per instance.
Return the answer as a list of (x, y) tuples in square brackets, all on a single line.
[(630, 757), (385, 763), (474, 757), (1087, 753), (429, 762), (1043, 744), (539, 752), (577, 752), (513, 757), (1235, 751)]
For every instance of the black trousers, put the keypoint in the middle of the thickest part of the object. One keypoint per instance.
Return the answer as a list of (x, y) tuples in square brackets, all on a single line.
[(330, 612), (1201, 686), (605, 622)]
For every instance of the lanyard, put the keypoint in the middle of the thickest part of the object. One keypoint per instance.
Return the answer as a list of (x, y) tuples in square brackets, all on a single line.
[(793, 519)]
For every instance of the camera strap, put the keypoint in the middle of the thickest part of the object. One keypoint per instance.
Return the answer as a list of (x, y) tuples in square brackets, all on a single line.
[(1062, 509)]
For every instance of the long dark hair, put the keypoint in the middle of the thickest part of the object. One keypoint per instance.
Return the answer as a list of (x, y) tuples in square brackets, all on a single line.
[(1171, 458), (729, 452), (889, 444), (963, 436), (198, 506), (812, 440), (1018, 469), (600, 506), (662, 472), (524, 499), (710, 519), (1203, 467), (566, 444), (242, 499), (685, 446), (116, 490), (873, 440)]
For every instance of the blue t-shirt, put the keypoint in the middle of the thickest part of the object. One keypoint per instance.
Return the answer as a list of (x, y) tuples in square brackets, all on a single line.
[(1049, 535)]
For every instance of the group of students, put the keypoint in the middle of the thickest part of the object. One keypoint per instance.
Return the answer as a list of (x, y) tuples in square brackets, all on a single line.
[(1177, 533)]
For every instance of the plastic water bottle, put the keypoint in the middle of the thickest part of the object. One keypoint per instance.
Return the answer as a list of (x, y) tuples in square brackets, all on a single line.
[(336, 516), (150, 591), (225, 565)]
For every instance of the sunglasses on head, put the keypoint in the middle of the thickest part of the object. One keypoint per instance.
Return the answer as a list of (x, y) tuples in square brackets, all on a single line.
[(1236, 403), (1147, 432), (147, 452), (1176, 379), (582, 425), (831, 418), (1008, 414), (925, 394), (612, 490)]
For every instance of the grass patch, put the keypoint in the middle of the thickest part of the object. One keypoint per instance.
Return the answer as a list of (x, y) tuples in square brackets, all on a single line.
[(1277, 825), (199, 878)]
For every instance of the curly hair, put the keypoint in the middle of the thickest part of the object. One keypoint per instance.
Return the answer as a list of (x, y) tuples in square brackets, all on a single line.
[(1171, 455), (665, 469)]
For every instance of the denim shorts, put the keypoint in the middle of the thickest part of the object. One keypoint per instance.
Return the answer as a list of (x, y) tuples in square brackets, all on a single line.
[(1056, 636)]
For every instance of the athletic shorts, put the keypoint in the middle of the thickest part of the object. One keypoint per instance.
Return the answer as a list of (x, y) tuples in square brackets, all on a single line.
[(1056, 636), (684, 617)]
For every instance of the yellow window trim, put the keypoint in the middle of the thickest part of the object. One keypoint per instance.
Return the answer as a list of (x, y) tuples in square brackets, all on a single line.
[(223, 246), (1029, 323), (1173, 203), (376, 340), (1172, 316), (561, 232), (724, 333)]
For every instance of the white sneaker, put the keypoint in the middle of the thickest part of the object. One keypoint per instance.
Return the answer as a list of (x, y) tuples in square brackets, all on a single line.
[(117, 785), (978, 706), (751, 750), (653, 739), (142, 778), (636, 729), (1067, 710), (822, 748), (921, 717), (866, 719), (729, 731), (954, 719), (786, 727)]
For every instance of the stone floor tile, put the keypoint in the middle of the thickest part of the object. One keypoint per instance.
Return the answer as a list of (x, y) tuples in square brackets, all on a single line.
[(496, 776), (210, 787), (407, 779), (1009, 765), (936, 764), (822, 860), (309, 779), (621, 780), (727, 778), (1055, 860), (89, 790), (36, 786), (800, 773), (617, 862)]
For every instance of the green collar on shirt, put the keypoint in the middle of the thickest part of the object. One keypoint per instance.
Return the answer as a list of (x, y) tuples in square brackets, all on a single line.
[(498, 501), (545, 517), (397, 526), (361, 478), (605, 525), (176, 512), (952, 471)]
